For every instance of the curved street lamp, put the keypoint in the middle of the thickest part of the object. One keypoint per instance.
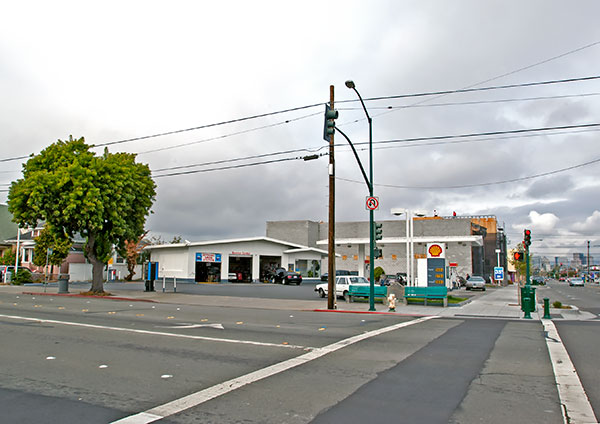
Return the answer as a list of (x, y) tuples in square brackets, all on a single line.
[(350, 84)]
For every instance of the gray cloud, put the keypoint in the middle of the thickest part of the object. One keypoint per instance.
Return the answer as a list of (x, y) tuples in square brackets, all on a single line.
[(110, 85)]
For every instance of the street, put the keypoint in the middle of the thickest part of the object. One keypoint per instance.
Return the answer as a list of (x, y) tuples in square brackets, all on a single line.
[(76, 359)]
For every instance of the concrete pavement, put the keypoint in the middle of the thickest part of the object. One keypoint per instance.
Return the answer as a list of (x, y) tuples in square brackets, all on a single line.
[(501, 303)]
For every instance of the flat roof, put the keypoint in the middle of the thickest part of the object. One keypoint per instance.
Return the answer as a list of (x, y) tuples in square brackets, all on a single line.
[(293, 246), (473, 240)]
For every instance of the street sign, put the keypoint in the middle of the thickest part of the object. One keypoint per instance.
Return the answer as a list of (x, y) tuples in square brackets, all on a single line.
[(498, 273), (372, 203)]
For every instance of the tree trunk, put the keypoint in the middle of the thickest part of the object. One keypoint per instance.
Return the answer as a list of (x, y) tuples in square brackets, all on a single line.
[(131, 269), (97, 266)]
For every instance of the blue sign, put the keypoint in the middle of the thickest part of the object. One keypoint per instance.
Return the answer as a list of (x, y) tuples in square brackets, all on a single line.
[(498, 273), (208, 257)]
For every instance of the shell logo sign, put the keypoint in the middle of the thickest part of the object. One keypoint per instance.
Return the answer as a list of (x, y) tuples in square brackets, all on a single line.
[(436, 250)]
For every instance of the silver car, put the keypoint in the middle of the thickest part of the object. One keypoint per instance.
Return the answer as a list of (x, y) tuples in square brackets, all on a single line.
[(576, 281), (475, 282)]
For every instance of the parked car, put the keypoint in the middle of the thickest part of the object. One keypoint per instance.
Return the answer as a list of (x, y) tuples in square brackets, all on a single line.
[(537, 281), (292, 277), (2, 270), (475, 282), (338, 273), (283, 276), (342, 285), (576, 281)]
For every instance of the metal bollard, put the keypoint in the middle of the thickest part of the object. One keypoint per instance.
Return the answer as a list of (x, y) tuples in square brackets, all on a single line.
[(527, 306), (164, 280), (547, 308), (174, 284)]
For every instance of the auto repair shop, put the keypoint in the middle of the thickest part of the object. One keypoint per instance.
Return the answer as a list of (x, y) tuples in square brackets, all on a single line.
[(240, 260)]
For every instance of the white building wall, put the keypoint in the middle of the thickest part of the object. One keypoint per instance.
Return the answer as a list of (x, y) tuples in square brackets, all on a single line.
[(180, 261), (172, 263)]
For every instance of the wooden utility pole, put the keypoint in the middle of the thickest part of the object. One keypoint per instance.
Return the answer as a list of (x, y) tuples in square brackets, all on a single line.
[(331, 236)]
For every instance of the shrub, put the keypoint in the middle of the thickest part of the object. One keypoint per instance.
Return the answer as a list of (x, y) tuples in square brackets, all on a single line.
[(23, 277), (378, 273), (557, 305)]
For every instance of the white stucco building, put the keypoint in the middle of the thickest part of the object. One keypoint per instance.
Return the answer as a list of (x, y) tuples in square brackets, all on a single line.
[(248, 258)]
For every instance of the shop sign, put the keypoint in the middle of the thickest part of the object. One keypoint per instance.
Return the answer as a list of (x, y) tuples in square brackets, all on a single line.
[(241, 253), (208, 257), (436, 250)]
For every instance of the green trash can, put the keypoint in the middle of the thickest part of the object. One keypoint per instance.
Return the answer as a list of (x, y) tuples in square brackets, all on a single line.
[(528, 299)]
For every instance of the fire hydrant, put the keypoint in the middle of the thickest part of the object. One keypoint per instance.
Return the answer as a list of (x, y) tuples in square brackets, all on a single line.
[(392, 302)]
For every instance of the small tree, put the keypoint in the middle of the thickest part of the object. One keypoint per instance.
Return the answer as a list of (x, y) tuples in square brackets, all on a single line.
[(51, 239), (521, 266), (132, 253)]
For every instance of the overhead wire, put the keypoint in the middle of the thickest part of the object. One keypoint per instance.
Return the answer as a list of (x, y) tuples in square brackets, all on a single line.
[(262, 115), (471, 138), (198, 171), (478, 102), (512, 180), (287, 121)]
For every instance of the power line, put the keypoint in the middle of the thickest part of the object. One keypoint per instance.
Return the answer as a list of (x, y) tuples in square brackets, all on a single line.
[(198, 171), (435, 93), (218, 162), (522, 133), (512, 180), (456, 138), (484, 134), (478, 102), (161, 149), (470, 89), (216, 124)]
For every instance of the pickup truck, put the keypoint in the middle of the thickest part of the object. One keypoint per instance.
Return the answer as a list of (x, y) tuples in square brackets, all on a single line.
[(342, 285)]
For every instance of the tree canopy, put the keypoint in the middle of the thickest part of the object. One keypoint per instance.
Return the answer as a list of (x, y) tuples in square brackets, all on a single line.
[(105, 198)]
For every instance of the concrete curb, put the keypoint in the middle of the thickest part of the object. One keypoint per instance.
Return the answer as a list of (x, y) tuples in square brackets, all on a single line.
[(130, 299)]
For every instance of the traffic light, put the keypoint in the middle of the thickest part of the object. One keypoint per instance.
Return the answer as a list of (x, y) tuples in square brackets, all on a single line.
[(378, 230), (329, 127), (519, 257), (527, 237), (377, 253)]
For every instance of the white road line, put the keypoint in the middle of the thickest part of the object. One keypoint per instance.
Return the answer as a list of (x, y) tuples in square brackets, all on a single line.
[(205, 395), (154, 333), (576, 407)]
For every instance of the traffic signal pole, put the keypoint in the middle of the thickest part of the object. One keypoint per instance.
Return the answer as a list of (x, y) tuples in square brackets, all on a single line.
[(331, 235)]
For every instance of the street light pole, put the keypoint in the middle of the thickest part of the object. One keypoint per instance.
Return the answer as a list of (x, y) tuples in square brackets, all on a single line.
[(350, 84), (407, 213)]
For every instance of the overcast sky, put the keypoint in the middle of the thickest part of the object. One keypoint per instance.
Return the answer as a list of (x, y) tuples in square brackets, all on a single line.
[(117, 70)]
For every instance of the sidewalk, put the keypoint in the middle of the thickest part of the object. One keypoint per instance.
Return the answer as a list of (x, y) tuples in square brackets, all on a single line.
[(501, 303)]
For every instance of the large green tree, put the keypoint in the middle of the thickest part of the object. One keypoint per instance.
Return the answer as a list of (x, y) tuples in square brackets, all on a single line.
[(105, 199)]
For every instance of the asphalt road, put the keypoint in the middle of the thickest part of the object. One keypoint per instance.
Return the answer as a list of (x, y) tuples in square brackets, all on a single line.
[(305, 291), (581, 338), (586, 298), (97, 361)]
